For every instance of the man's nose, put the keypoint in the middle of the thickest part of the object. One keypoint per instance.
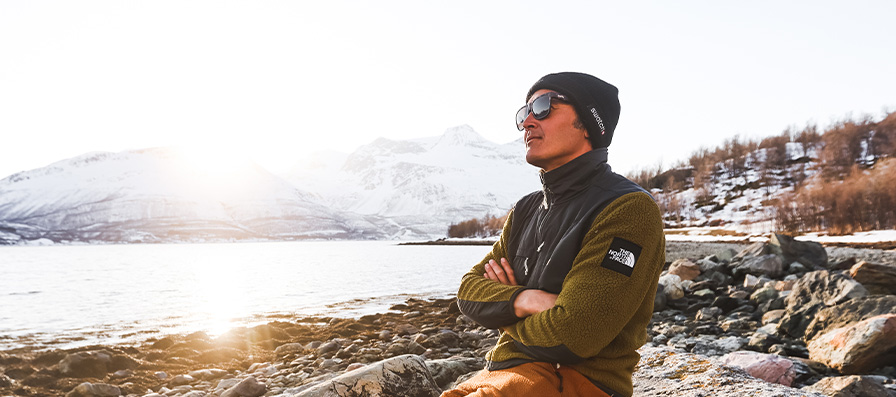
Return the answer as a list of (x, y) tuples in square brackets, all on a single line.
[(530, 121)]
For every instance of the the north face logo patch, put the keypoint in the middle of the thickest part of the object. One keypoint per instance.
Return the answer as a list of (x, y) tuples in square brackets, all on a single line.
[(622, 256)]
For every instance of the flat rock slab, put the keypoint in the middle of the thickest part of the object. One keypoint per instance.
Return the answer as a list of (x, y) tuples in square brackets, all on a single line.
[(664, 372), (401, 376)]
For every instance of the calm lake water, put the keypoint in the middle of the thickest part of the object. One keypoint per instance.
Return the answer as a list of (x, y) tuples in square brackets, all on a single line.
[(67, 296)]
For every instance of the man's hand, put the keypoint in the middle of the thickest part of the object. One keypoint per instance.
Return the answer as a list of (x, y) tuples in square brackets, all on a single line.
[(502, 273), (533, 301), (528, 302)]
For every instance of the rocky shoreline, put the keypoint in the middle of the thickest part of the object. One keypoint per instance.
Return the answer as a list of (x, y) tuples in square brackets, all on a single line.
[(781, 318)]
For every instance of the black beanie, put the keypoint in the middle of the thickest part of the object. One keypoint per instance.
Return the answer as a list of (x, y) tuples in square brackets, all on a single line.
[(596, 102)]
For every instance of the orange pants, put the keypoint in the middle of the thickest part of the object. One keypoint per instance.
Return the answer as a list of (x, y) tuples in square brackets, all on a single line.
[(531, 379)]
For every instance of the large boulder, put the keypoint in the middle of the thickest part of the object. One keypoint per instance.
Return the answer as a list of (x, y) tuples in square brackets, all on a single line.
[(401, 376), (809, 253), (811, 293), (849, 386), (768, 367), (851, 311), (752, 250), (766, 265), (857, 348), (878, 279)]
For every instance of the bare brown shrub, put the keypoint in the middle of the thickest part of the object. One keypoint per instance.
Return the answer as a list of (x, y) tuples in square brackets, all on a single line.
[(883, 140), (843, 145), (864, 200), (485, 227)]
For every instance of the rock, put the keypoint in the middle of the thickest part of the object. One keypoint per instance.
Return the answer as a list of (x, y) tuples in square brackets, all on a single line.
[(766, 265), (328, 347), (94, 390), (445, 371), (752, 250), (857, 348), (812, 292), (121, 361), (725, 255), (878, 279), (785, 285), (768, 367), (663, 372), (182, 380), (726, 303), (208, 374), (773, 316), (849, 386), (406, 329), (718, 347), (809, 253), (225, 384), (289, 348), (851, 311), (684, 269), (415, 348), (90, 364), (444, 338), (6, 381), (708, 314), (763, 295), (762, 342), (751, 281), (672, 286), (163, 343), (399, 376), (354, 366), (249, 387)]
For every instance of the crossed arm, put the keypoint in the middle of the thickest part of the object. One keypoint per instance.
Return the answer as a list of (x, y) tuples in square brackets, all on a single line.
[(529, 301)]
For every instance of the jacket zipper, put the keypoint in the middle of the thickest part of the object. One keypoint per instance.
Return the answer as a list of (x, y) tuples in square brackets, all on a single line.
[(539, 234)]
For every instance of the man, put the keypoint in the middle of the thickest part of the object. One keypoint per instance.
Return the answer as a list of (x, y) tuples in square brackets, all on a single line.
[(571, 282)]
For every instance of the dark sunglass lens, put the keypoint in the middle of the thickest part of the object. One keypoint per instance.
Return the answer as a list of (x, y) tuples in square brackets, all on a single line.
[(541, 106)]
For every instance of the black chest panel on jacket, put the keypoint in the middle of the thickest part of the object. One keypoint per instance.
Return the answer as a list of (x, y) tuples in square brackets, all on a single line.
[(548, 228)]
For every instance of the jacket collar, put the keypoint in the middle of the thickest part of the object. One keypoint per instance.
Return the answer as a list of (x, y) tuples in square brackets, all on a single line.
[(574, 175)]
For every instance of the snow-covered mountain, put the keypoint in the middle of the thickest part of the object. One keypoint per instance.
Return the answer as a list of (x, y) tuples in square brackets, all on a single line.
[(159, 195), (423, 185), (384, 190)]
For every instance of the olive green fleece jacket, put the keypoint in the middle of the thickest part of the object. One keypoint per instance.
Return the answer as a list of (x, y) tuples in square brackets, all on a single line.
[(600, 316)]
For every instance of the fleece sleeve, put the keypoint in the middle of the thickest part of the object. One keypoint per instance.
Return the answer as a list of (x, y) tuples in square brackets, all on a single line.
[(598, 300), (487, 302)]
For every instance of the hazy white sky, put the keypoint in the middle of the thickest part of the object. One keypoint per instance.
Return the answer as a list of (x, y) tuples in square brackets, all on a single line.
[(275, 80)]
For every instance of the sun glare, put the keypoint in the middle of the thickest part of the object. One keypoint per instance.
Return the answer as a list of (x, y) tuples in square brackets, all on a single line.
[(218, 294), (215, 161), (220, 172)]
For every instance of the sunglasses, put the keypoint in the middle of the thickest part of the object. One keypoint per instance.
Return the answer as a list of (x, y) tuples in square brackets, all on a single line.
[(539, 108)]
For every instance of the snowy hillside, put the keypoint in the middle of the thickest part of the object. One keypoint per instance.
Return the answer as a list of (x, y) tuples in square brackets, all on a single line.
[(159, 195), (738, 198)]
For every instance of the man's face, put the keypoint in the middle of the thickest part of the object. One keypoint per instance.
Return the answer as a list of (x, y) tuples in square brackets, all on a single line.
[(554, 141)]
